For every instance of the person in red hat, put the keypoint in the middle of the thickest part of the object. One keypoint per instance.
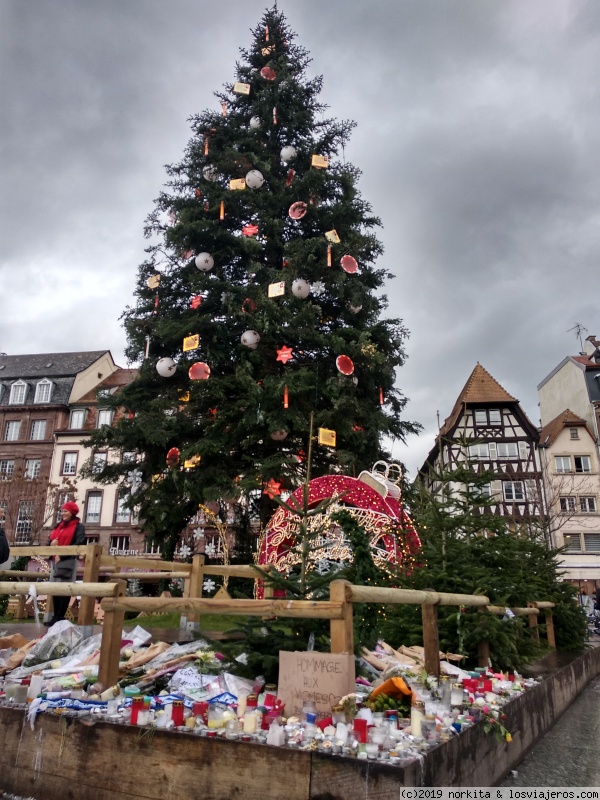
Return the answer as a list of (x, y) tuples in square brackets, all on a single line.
[(69, 531)]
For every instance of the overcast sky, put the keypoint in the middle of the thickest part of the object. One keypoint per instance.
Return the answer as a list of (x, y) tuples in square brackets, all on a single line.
[(478, 137)]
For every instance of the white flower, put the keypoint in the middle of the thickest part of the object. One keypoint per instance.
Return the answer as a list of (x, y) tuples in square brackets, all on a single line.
[(185, 551), (209, 585)]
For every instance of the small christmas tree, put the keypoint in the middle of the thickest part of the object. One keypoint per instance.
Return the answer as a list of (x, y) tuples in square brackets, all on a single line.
[(258, 303)]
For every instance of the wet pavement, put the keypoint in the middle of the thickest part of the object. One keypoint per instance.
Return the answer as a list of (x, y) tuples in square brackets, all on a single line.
[(568, 755)]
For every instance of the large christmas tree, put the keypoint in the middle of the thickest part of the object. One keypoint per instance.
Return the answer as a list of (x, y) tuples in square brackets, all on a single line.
[(258, 304)]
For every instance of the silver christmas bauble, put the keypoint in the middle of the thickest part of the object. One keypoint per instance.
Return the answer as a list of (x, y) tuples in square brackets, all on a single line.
[(204, 262)]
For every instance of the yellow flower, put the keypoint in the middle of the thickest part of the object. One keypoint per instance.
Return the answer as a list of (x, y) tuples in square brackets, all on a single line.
[(508, 737)]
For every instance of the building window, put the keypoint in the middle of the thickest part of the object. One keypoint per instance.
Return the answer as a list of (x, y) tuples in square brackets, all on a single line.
[(507, 450), (69, 464), (38, 429), (123, 513), (562, 463), (99, 462), (43, 390), (567, 504), (574, 433), (63, 497), (572, 542), (105, 416), (24, 522), (17, 393), (33, 467), (12, 430), (103, 393), (77, 419), (480, 492), (587, 504), (514, 490), (479, 451), (92, 538), (7, 468), (150, 548), (93, 508), (592, 542), (119, 544), (583, 464), (485, 417)]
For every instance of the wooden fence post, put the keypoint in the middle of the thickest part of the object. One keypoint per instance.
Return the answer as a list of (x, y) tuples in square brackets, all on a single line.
[(195, 583), (110, 646), (533, 623), (91, 572), (550, 629), (431, 639), (483, 654), (342, 630)]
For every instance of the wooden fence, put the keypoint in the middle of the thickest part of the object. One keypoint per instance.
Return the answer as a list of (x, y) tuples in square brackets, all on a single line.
[(338, 609)]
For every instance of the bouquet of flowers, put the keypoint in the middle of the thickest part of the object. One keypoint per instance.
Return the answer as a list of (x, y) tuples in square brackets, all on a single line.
[(493, 721)]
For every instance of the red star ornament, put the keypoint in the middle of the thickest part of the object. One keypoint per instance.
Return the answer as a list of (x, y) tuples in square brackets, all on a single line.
[(272, 488), (284, 354), (250, 230)]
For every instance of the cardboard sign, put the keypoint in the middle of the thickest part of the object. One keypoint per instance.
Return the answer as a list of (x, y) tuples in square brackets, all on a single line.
[(237, 183), (323, 678), (191, 343)]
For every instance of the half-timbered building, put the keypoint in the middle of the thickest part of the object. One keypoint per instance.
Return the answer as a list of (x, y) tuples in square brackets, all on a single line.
[(489, 431)]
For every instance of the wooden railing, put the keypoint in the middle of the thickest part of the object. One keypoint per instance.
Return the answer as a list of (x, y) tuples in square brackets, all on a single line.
[(338, 609)]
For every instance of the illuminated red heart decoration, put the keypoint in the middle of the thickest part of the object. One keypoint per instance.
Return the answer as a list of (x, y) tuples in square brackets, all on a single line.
[(173, 457), (297, 210), (349, 264), (268, 73), (199, 371), (345, 365)]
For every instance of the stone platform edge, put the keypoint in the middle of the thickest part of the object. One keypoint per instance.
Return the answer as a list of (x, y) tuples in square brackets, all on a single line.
[(73, 759)]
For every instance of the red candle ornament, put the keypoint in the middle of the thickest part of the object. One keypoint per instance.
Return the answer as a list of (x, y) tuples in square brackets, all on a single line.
[(222, 210), (286, 399)]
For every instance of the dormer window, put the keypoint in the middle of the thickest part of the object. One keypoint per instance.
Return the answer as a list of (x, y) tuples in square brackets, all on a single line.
[(43, 391), (17, 393)]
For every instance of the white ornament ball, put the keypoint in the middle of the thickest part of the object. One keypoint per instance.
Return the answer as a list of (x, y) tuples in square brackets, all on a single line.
[(255, 123), (300, 288), (209, 173), (205, 261), (279, 436), (250, 339), (166, 367), (354, 309), (254, 179), (288, 153)]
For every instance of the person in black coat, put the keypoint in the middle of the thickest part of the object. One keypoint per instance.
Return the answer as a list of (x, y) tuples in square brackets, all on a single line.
[(69, 531), (4, 548)]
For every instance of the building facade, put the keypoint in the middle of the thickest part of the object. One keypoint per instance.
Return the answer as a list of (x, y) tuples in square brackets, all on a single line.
[(572, 474), (104, 512), (49, 403), (489, 430)]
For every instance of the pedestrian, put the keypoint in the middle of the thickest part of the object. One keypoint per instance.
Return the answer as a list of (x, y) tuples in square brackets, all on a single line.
[(597, 599), (69, 531), (4, 548)]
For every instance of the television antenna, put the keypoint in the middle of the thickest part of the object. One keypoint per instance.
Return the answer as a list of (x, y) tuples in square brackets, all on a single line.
[(578, 328)]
